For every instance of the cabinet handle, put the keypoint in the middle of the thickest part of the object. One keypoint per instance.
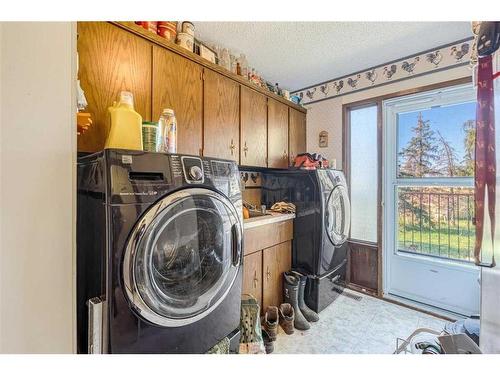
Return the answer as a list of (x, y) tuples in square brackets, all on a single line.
[(268, 274), (245, 149), (232, 147), (255, 280)]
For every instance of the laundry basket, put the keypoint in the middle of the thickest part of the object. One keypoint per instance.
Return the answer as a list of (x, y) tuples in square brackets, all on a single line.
[(251, 341)]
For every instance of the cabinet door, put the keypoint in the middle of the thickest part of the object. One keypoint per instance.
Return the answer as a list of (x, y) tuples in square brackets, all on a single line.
[(253, 114), (277, 142), (276, 260), (221, 116), (111, 60), (252, 275), (177, 84), (297, 133)]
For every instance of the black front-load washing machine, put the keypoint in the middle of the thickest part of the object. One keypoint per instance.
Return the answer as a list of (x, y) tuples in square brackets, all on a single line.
[(321, 227), (159, 253)]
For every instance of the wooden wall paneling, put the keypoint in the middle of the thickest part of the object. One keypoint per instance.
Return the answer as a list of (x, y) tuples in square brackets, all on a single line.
[(177, 84), (252, 276), (253, 128), (364, 265), (253, 196), (111, 60), (296, 133), (277, 130), (276, 261), (221, 116)]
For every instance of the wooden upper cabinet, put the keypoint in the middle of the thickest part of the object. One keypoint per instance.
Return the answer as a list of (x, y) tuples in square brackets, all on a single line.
[(297, 133), (111, 60), (177, 84), (277, 128), (276, 260), (253, 115), (221, 116)]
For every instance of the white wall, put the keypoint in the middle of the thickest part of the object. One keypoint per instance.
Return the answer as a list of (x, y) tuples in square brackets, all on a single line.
[(37, 187), (327, 115)]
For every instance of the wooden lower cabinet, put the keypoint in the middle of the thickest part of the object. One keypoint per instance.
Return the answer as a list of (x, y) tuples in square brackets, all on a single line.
[(252, 275), (276, 260), (263, 274)]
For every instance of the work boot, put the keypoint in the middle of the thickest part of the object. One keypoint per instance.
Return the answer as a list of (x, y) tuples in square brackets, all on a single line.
[(287, 318), (271, 320), (268, 343), (309, 314), (291, 292)]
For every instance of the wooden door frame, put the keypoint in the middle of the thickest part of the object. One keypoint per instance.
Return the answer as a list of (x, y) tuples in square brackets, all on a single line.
[(378, 101)]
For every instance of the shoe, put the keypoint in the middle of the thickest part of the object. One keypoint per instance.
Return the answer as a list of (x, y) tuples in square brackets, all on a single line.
[(309, 314), (291, 293), (271, 320), (287, 318), (268, 343)]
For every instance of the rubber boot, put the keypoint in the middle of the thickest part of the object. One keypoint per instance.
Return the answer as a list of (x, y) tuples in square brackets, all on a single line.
[(309, 314), (271, 320), (268, 343), (287, 318), (291, 294)]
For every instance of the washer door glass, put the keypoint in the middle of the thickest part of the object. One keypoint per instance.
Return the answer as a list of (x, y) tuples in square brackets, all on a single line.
[(338, 215), (183, 257)]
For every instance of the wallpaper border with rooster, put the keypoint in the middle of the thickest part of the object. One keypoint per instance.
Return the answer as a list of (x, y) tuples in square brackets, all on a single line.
[(430, 61)]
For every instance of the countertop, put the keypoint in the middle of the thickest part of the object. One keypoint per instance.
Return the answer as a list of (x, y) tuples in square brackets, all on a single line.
[(272, 217)]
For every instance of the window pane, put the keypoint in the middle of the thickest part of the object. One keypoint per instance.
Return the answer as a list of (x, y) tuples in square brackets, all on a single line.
[(364, 172), (436, 221), (437, 142)]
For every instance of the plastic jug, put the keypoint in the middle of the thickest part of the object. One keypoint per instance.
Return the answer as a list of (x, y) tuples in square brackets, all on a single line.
[(126, 124)]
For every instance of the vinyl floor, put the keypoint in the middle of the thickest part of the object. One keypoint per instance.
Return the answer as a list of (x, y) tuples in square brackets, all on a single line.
[(347, 326)]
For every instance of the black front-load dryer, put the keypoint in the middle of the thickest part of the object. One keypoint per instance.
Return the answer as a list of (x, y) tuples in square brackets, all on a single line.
[(321, 227), (159, 262)]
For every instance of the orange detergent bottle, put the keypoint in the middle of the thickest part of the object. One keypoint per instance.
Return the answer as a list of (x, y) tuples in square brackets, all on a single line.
[(126, 124)]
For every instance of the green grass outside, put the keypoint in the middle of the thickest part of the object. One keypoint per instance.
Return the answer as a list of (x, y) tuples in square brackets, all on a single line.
[(456, 242)]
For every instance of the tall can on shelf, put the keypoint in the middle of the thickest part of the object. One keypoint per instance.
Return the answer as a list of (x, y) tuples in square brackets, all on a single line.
[(166, 140)]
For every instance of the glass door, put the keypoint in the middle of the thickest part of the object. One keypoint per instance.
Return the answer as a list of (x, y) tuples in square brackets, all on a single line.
[(429, 199), (183, 257)]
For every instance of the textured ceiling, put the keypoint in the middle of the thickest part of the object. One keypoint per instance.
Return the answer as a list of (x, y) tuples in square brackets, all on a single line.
[(300, 54)]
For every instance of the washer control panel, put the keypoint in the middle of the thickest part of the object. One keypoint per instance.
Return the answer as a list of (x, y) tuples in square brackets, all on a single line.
[(193, 169)]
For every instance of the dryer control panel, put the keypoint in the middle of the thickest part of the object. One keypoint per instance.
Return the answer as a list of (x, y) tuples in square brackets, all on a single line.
[(192, 168)]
